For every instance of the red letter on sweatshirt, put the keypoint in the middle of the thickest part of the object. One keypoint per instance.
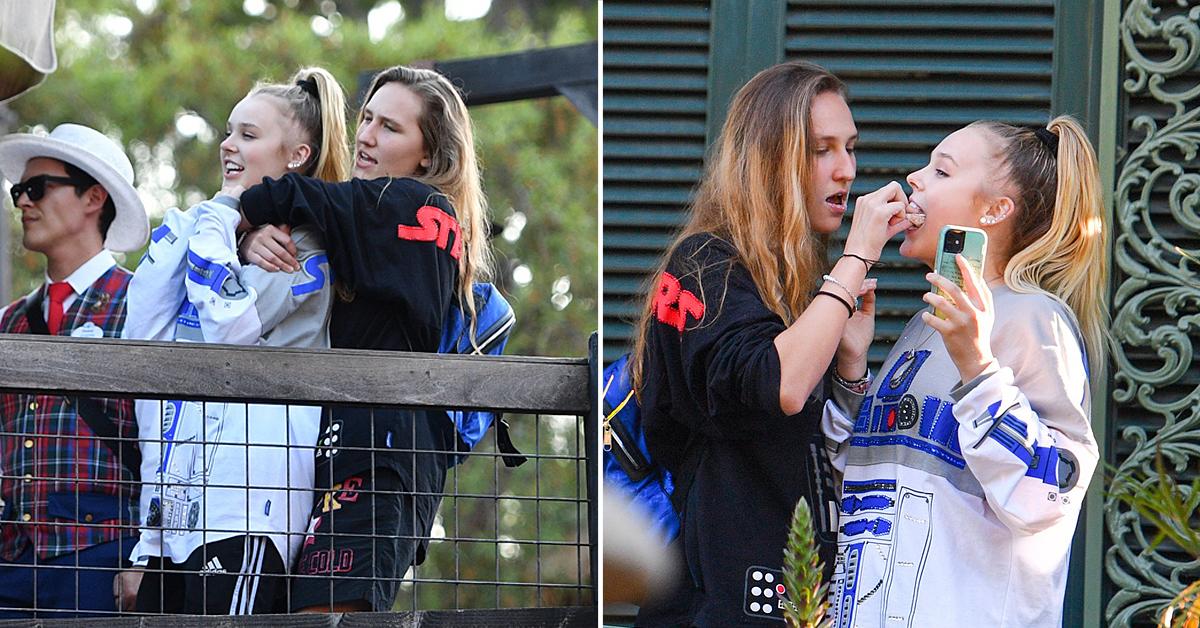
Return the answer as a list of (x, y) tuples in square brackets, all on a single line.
[(433, 225), (673, 304)]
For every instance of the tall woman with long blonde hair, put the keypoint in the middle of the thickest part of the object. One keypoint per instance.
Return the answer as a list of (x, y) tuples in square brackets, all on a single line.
[(965, 463), (732, 355)]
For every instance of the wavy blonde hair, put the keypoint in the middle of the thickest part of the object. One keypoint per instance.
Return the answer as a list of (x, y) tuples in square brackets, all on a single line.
[(1060, 241), (321, 118), (453, 168), (752, 194)]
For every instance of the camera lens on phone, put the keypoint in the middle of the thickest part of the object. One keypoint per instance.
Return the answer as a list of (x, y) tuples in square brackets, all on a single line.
[(954, 241)]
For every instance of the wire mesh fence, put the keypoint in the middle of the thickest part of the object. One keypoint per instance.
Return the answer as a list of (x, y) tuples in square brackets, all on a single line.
[(360, 488)]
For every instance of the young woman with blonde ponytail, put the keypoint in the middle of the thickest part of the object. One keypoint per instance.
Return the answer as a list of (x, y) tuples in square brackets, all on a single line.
[(965, 463), (733, 350), (228, 487), (407, 238)]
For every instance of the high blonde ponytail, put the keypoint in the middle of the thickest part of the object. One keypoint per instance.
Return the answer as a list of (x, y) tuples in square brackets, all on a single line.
[(1060, 240), (316, 102), (333, 160)]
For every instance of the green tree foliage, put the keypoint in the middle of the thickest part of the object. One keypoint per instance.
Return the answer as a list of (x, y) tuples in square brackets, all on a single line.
[(537, 512), (148, 71)]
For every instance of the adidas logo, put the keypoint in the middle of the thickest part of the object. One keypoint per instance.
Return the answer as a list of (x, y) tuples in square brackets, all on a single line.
[(213, 566)]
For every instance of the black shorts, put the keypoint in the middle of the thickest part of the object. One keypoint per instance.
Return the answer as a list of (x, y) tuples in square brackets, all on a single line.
[(379, 480), (369, 528), (241, 575), (379, 477)]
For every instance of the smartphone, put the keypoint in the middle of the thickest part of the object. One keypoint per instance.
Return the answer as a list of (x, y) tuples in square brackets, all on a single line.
[(971, 243)]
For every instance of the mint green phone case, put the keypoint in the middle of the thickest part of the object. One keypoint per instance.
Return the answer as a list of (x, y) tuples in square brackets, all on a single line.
[(973, 243)]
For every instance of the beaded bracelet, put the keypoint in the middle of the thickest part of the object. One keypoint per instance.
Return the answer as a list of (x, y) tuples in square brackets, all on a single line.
[(834, 280), (857, 387), (849, 308)]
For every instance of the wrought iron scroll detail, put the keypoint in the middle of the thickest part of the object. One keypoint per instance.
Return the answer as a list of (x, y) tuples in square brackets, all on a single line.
[(1156, 304)]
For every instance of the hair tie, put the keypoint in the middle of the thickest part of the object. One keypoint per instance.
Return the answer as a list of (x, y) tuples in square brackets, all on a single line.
[(309, 85), (1048, 138)]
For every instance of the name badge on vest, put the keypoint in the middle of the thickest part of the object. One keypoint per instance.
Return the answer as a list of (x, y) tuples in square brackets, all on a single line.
[(87, 330)]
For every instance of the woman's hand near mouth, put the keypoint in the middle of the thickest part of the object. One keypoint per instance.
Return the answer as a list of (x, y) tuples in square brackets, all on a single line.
[(877, 217)]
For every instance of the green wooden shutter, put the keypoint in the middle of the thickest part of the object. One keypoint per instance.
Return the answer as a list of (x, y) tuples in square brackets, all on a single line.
[(917, 71), (655, 77)]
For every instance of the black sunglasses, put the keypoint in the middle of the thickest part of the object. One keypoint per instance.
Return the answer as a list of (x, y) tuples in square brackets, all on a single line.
[(35, 186)]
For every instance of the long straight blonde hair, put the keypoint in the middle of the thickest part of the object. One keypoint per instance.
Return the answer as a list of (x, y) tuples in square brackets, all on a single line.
[(752, 194), (453, 168), (1060, 241)]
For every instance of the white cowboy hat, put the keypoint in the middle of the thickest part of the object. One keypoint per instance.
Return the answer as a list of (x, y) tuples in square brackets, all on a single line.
[(96, 154)]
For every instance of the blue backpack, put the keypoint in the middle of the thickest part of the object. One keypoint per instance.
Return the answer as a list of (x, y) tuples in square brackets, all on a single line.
[(494, 319), (628, 467)]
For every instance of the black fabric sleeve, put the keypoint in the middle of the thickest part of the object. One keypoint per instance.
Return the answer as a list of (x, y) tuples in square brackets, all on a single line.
[(728, 357), (390, 239)]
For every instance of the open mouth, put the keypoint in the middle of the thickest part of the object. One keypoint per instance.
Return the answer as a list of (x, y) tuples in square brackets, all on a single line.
[(233, 169), (915, 214), (837, 200), (365, 159)]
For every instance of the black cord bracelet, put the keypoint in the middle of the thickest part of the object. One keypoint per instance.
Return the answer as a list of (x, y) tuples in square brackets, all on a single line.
[(849, 308), (866, 262)]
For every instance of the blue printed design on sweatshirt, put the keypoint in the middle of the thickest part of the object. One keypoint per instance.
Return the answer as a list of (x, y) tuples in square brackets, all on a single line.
[(900, 377), (894, 417), (846, 603), (877, 527), (159, 232), (854, 503), (894, 440), (312, 267)]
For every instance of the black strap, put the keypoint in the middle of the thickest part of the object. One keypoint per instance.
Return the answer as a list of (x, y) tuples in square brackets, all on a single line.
[(126, 450), (89, 409), (33, 315), (509, 452)]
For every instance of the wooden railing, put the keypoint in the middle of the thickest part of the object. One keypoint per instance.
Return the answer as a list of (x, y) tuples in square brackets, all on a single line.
[(512, 384)]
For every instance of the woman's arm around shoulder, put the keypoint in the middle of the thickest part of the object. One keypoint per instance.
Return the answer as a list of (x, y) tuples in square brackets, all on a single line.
[(378, 233)]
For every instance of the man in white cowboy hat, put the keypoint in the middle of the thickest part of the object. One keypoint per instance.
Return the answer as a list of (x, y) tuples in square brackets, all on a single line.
[(69, 486)]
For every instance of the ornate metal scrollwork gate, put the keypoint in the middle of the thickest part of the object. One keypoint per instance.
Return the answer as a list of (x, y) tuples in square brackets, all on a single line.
[(1155, 380)]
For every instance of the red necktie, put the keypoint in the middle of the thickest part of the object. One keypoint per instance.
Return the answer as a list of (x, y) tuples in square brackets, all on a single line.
[(58, 293)]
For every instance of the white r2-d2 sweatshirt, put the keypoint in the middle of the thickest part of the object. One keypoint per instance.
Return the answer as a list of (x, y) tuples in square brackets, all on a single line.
[(215, 470), (958, 502)]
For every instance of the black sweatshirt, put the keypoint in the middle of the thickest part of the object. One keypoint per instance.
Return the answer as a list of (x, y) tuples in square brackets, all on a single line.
[(393, 246), (393, 243), (712, 379)]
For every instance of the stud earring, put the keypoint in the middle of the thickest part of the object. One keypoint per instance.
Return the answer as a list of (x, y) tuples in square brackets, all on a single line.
[(987, 221), (294, 165)]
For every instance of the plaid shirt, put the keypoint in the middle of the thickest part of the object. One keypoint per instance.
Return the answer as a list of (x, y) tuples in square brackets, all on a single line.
[(63, 488)]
